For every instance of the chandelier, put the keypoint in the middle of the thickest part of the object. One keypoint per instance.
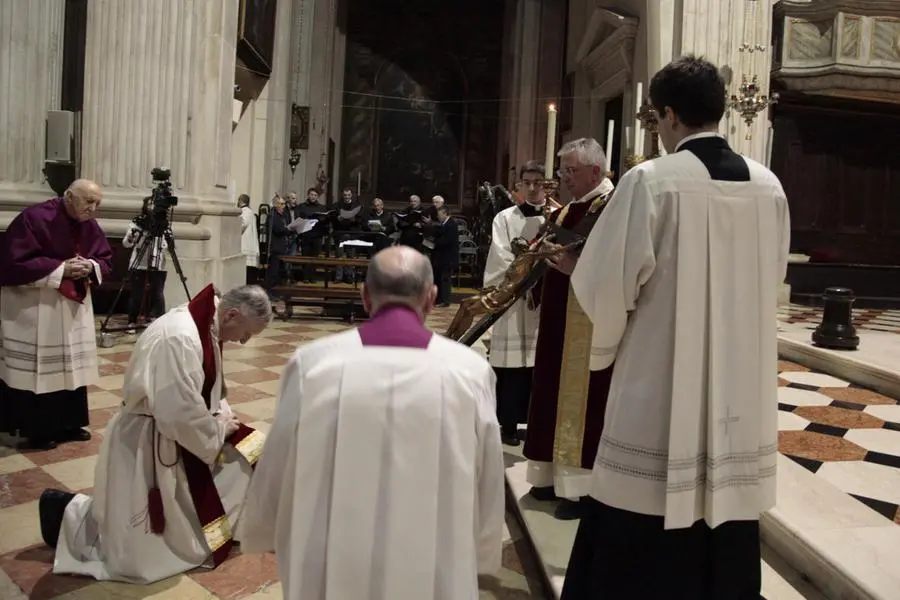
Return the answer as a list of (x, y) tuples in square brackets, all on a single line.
[(750, 100)]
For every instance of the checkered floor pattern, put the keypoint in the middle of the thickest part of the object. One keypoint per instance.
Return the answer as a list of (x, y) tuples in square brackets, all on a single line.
[(872, 319), (848, 435), (252, 373)]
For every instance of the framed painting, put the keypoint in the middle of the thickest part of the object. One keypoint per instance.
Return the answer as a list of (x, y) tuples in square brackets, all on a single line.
[(256, 34)]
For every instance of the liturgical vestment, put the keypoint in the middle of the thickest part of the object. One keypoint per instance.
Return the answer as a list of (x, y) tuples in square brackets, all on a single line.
[(382, 475), (165, 438), (568, 400), (48, 349), (680, 278)]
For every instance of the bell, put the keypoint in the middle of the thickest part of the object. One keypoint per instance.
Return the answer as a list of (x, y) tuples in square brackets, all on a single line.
[(836, 330)]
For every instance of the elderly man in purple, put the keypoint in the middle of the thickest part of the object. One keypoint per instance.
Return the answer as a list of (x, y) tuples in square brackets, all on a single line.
[(52, 254)]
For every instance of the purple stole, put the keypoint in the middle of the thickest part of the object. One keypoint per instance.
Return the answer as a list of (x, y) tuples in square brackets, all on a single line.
[(397, 326), (246, 440)]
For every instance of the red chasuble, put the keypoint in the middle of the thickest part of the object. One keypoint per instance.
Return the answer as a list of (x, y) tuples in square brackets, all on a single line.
[(587, 390), (203, 490)]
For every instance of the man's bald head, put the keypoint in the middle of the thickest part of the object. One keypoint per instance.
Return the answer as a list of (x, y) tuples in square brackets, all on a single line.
[(399, 275), (82, 199)]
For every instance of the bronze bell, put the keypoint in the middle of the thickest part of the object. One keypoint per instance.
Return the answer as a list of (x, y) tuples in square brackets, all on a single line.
[(836, 330)]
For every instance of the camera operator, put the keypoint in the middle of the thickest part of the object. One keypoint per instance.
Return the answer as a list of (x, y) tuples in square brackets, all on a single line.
[(149, 271)]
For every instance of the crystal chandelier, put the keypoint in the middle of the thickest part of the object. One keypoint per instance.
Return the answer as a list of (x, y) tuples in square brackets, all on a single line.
[(749, 100)]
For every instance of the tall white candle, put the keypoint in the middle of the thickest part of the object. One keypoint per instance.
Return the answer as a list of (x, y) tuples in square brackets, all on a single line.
[(638, 97), (610, 128), (638, 138), (551, 141), (628, 138)]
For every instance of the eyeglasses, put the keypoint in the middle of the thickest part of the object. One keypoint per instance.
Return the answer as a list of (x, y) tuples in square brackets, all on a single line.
[(568, 171)]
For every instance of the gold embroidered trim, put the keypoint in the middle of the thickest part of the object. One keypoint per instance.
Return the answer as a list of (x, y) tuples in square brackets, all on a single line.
[(217, 533), (574, 380), (251, 446)]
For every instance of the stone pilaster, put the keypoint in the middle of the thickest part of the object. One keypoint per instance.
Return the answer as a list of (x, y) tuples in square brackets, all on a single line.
[(715, 29), (31, 37), (158, 91), (522, 137), (278, 106)]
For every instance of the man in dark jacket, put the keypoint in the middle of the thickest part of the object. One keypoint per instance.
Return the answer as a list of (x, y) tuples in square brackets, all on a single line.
[(280, 238), (445, 256)]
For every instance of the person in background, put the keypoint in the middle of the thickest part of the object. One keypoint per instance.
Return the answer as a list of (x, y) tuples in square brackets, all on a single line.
[(382, 486), (411, 225), (432, 211), (514, 335), (445, 255), (249, 237), (385, 223), (53, 253), (279, 243), (148, 275), (347, 222), (311, 242)]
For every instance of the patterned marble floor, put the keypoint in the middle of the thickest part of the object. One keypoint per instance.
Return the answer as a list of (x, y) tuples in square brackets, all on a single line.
[(252, 373), (873, 319), (848, 435)]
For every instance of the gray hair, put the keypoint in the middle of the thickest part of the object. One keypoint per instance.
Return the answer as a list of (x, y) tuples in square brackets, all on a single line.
[(251, 300), (588, 151), (400, 276)]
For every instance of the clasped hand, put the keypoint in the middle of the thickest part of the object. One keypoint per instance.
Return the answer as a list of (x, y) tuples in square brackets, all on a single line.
[(561, 260), (77, 268), (230, 422)]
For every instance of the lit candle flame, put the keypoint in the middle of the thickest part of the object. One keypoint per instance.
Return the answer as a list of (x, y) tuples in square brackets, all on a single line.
[(551, 107)]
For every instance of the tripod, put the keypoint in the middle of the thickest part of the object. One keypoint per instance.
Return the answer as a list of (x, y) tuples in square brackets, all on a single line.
[(151, 236)]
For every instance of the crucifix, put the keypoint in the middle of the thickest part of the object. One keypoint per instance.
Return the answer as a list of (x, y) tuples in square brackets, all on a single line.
[(728, 419)]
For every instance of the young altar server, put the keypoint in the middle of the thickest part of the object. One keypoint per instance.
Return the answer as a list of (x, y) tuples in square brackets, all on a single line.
[(382, 476), (175, 463), (51, 256), (679, 277), (514, 335)]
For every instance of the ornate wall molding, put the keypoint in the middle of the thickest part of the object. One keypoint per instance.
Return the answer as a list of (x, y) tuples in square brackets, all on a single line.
[(833, 47), (609, 64)]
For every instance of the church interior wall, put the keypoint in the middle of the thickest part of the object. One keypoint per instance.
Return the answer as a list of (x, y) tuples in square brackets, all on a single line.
[(420, 110)]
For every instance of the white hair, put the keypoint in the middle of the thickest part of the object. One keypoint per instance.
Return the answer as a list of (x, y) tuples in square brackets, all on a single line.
[(251, 300), (441, 198), (588, 151)]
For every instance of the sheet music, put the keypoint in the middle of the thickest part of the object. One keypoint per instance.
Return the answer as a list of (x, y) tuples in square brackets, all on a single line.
[(301, 225)]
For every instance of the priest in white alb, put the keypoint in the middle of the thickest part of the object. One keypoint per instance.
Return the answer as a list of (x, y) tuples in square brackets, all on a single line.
[(382, 476), (514, 335), (679, 277), (175, 462)]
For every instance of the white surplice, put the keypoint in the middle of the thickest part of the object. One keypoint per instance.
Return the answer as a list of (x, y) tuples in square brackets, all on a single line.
[(249, 237), (382, 475), (514, 335), (108, 536), (47, 342), (680, 277)]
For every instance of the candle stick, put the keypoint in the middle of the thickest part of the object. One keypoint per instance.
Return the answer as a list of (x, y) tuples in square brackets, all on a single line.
[(638, 97), (358, 184), (551, 141), (610, 128), (638, 138)]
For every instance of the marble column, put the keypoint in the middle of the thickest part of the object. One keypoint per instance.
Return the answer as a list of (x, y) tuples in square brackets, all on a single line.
[(158, 92), (278, 106), (715, 29), (525, 100), (31, 38)]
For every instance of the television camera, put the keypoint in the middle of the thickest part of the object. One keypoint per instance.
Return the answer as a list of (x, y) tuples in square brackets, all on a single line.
[(154, 218)]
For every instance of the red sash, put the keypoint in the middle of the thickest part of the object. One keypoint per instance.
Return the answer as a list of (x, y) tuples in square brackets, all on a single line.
[(203, 490)]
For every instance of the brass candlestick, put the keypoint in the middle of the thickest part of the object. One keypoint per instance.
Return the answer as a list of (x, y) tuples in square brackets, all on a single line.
[(551, 189)]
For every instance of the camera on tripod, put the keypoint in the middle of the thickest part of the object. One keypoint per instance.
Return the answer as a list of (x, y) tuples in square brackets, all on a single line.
[(163, 199)]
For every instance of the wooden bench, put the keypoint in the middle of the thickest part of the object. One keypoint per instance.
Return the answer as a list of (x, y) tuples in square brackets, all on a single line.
[(346, 300)]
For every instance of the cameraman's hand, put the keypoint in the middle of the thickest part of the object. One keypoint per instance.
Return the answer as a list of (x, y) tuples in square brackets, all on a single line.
[(230, 422)]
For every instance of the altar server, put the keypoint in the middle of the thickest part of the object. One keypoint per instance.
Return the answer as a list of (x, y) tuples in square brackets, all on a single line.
[(52, 255), (175, 463), (382, 476), (680, 278), (514, 335)]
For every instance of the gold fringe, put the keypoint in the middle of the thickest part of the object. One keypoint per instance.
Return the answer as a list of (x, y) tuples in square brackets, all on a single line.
[(251, 446), (217, 533)]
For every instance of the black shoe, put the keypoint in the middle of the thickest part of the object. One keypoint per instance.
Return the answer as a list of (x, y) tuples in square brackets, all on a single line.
[(40, 444), (569, 510), (510, 439), (543, 494), (75, 435), (51, 509)]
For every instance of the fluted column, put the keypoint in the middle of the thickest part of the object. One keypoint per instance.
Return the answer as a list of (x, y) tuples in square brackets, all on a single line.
[(715, 29), (31, 37), (158, 91), (278, 106)]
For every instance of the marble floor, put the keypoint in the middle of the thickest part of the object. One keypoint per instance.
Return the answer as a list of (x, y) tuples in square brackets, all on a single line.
[(252, 373), (871, 319)]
